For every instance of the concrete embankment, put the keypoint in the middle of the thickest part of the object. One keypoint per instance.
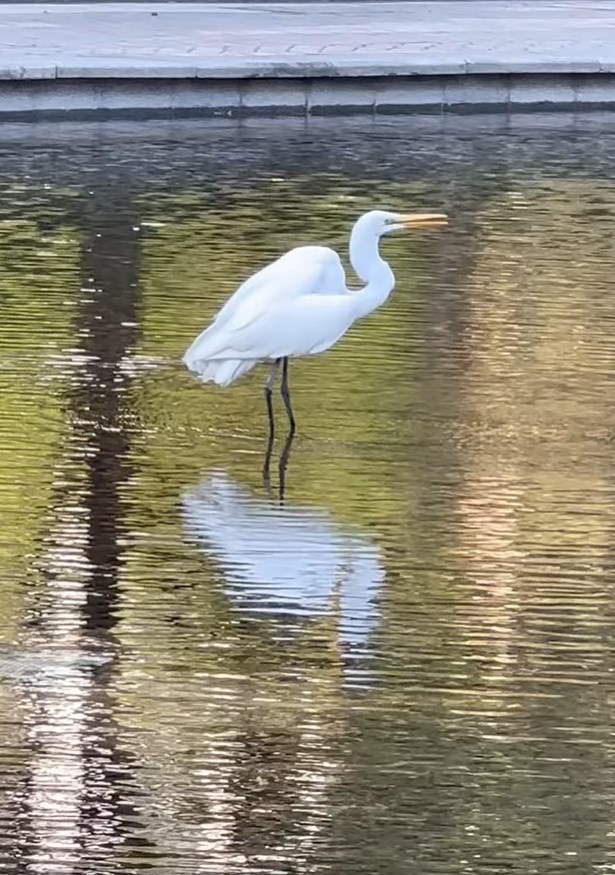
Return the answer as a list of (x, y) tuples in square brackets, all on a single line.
[(174, 59)]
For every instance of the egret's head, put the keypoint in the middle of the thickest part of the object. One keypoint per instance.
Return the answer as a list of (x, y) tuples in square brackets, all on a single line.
[(379, 222)]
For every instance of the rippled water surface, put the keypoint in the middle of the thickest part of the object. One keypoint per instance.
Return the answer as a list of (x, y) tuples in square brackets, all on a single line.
[(405, 668)]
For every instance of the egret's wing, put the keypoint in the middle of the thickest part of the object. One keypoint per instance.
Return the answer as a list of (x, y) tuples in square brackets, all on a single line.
[(303, 272), (306, 270), (300, 326)]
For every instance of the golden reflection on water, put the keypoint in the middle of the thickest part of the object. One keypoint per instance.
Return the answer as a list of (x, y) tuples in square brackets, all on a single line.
[(408, 661)]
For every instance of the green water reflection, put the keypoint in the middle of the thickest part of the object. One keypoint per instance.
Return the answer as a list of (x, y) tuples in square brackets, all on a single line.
[(407, 667)]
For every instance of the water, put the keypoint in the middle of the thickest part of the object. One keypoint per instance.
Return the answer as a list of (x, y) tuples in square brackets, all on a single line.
[(405, 667)]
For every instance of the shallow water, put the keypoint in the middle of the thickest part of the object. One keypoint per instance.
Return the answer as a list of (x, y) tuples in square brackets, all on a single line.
[(406, 666)]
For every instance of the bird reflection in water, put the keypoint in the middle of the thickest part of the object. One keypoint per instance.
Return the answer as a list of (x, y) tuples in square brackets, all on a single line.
[(282, 464), (295, 561), (308, 576)]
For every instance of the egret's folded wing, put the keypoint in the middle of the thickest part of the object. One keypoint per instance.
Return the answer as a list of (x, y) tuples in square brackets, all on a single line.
[(303, 326), (303, 272)]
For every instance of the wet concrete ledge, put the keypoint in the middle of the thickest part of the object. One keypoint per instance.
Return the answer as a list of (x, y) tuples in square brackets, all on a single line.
[(87, 93)]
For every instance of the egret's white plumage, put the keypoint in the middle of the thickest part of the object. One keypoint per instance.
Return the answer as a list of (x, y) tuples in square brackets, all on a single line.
[(265, 318), (298, 305)]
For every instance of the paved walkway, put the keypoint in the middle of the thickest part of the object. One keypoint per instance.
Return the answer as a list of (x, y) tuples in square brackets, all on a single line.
[(244, 40)]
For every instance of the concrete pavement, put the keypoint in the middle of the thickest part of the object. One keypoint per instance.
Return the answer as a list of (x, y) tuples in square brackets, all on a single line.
[(214, 58)]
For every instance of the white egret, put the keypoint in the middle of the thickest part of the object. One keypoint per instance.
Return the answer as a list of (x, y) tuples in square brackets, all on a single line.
[(299, 305)]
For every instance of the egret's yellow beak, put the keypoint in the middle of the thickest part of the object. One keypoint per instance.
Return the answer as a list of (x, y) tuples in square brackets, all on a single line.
[(423, 220)]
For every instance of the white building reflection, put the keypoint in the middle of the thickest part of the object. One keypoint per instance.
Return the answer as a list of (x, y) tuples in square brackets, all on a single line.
[(65, 712)]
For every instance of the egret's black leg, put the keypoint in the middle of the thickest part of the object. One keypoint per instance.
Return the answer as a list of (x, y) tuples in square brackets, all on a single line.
[(285, 392), (273, 373)]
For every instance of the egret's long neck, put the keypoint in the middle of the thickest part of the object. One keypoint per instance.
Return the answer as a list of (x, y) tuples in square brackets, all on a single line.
[(372, 269)]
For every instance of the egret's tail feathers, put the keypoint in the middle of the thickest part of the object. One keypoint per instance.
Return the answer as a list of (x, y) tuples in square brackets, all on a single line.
[(219, 371)]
